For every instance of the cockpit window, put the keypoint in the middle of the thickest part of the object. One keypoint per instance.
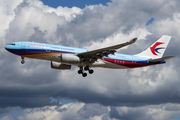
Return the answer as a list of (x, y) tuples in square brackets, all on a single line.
[(12, 44)]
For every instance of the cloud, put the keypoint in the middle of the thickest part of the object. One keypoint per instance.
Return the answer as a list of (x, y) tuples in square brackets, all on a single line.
[(31, 85), (83, 111)]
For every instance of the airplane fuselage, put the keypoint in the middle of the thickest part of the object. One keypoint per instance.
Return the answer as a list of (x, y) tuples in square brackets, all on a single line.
[(53, 53)]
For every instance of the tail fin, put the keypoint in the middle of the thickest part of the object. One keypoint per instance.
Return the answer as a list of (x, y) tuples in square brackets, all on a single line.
[(157, 49)]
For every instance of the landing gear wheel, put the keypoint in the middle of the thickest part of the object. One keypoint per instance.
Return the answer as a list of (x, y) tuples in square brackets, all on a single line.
[(84, 74), (22, 62), (91, 71), (80, 71), (86, 68)]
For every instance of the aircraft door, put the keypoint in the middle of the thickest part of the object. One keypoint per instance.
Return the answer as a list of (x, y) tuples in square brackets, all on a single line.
[(134, 59), (48, 49), (23, 45)]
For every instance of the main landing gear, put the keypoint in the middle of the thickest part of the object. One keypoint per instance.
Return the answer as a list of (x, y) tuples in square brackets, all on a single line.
[(82, 71), (22, 61)]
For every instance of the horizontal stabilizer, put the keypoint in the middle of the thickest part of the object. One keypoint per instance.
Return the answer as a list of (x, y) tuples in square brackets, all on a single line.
[(159, 60)]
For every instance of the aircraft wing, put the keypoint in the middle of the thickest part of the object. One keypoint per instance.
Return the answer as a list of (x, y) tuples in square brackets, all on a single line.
[(99, 53)]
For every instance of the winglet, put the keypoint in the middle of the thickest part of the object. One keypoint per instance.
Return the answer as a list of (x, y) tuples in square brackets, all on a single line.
[(133, 40)]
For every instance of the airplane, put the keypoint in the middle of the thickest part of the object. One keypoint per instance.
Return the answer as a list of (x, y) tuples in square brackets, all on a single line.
[(63, 57)]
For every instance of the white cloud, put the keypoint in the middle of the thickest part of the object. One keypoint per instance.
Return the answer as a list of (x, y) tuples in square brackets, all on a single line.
[(119, 37), (82, 111), (51, 112), (7, 15)]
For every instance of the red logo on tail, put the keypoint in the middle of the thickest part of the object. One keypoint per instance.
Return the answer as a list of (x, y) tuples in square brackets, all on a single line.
[(154, 49)]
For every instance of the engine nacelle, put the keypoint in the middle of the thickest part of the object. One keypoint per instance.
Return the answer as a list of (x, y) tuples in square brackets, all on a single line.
[(70, 58), (56, 65)]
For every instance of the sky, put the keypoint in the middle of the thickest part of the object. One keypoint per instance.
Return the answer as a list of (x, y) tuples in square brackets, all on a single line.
[(35, 91), (71, 3)]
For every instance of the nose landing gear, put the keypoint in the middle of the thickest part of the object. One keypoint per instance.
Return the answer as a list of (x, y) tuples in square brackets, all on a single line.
[(87, 68), (22, 61)]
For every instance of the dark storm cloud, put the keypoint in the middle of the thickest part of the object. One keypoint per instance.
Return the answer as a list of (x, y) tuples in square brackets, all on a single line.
[(82, 111)]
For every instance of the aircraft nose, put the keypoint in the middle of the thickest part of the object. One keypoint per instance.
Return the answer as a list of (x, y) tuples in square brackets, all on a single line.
[(7, 47)]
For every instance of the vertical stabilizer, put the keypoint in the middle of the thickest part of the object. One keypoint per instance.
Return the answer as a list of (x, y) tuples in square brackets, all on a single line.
[(157, 49)]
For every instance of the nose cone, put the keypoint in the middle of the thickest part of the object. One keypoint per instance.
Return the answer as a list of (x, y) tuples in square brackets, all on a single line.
[(12, 48), (7, 47)]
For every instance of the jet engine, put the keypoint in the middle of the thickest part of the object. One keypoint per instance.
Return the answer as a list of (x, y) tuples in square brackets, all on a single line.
[(70, 58), (56, 65)]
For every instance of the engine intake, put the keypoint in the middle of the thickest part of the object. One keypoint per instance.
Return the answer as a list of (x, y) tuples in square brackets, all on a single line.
[(56, 65), (70, 58)]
